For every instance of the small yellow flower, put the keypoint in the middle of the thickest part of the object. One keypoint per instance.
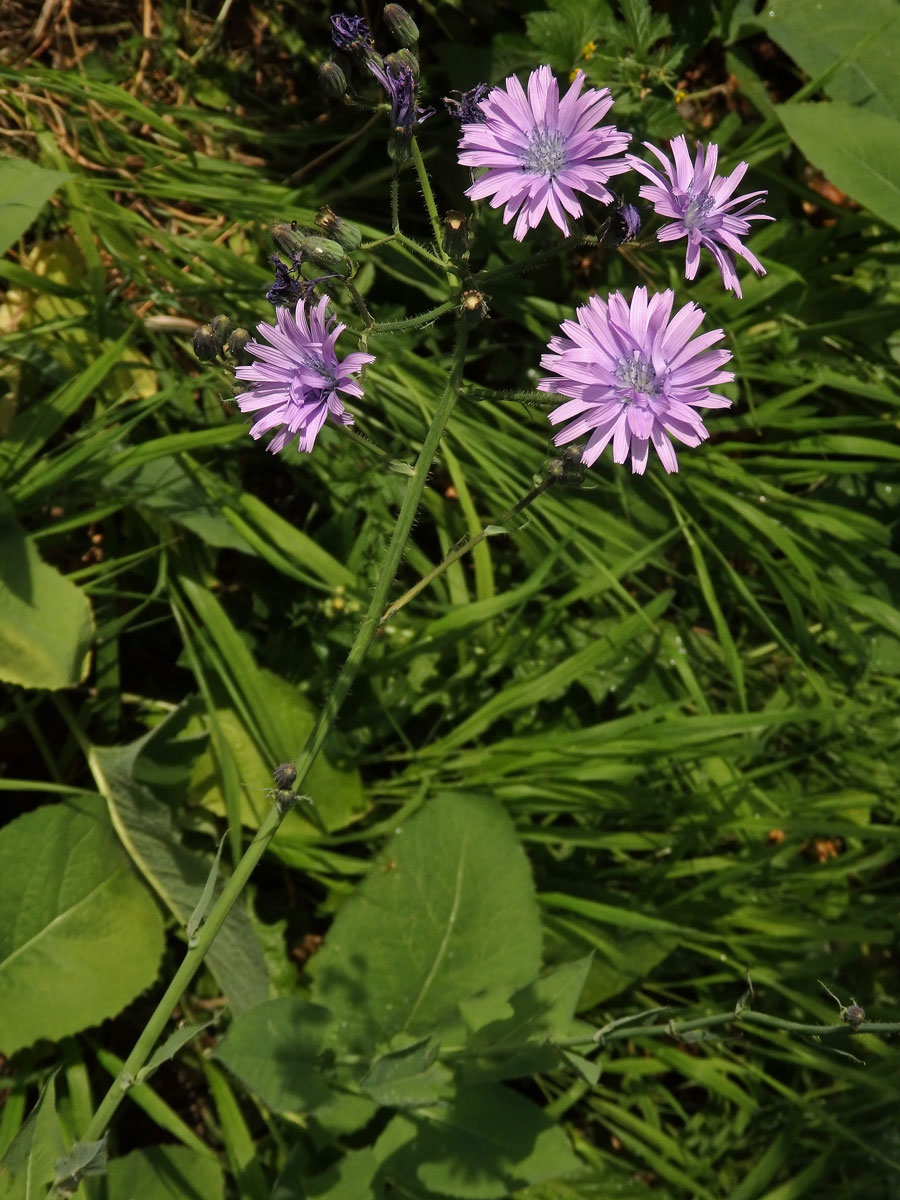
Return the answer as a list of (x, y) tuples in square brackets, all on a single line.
[(587, 52), (679, 96)]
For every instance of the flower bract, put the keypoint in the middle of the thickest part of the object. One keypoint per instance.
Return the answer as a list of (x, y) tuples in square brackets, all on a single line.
[(540, 150), (298, 375), (635, 377), (702, 207)]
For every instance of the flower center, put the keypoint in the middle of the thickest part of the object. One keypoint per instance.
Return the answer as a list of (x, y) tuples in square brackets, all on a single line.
[(637, 379), (546, 153), (696, 209)]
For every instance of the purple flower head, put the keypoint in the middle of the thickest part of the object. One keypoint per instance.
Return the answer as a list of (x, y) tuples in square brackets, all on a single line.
[(467, 109), (700, 205), (351, 34), (540, 150), (399, 85), (634, 376), (296, 382)]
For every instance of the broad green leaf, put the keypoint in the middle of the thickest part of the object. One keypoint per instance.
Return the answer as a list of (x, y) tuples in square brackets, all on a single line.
[(29, 1165), (147, 829), (818, 33), (485, 1143), (46, 625), (80, 936), (24, 190), (858, 151), (165, 1173), (275, 1050), (447, 911)]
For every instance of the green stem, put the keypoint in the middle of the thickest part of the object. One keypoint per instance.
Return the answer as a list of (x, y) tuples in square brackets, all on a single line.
[(152, 1031), (360, 303), (424, 318), (408, 509), (428, 195), (305, 759), (462, 548), (395, 204), (409, 243)]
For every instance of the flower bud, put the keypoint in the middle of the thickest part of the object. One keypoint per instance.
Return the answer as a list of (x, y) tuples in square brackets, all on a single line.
[(325, 253), (400, 25), (346, 235), (222, 329), (456, 235), (236, 342), (284, 775), (206, 347), (288, 238), (403, 58), (332, 79)]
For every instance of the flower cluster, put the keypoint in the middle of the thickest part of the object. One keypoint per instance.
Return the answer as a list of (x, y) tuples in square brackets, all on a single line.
[(632, 374)]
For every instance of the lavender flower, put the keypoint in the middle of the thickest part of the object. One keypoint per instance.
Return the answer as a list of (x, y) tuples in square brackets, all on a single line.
[(399, 85), (296, 382), (540, 150), (634, 376), (699, 202)]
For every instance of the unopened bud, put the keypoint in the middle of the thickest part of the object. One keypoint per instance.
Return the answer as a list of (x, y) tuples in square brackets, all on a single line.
[(325, 253), (346, 235), (332, 79), (456, 235), (284, 775), (222, 328), (400, 25), (236, 343), (403, 58), (288, 237), (206, 347)]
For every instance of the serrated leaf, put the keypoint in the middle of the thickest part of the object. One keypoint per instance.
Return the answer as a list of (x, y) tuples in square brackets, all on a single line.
[(46, 625), (80, 936), (276, 1049), (447, 911)]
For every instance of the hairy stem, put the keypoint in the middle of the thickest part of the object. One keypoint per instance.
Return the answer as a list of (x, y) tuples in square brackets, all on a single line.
[(304, 759), (462, 548)]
